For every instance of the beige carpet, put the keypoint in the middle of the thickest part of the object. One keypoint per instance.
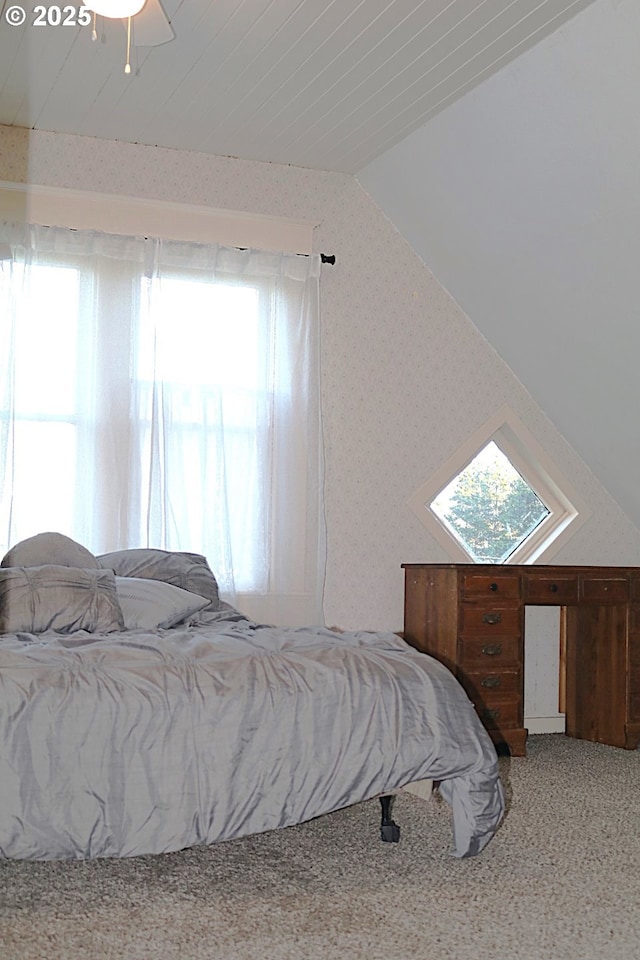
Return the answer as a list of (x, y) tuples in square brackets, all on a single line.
[(560, 881)]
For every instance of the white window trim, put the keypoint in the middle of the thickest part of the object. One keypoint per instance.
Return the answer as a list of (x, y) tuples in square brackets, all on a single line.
[(138, 216), (568, 511)]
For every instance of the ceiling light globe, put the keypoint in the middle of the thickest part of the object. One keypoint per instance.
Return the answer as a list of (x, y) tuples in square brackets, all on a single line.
[(116, 9)]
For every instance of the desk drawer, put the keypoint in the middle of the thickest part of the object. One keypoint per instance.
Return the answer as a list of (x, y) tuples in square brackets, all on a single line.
[(500, 716), (605, 590), (490, 686), (543, 589), (489, 655), (487, 585), (479, 620)]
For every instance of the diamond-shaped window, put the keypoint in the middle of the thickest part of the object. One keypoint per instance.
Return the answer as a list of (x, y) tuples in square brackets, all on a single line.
[(499, 498), (489, 507)]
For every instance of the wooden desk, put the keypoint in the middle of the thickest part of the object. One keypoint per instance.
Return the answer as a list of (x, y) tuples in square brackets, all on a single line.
[(471, 617)]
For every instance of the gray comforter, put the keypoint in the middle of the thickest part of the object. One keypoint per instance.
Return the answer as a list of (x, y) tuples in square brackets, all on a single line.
[(136, 743)]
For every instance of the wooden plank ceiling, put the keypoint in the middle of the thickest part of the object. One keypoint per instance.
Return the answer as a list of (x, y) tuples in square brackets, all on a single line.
[(328, 84)]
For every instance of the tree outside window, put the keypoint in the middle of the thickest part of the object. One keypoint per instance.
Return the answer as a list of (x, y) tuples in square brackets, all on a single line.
[(489, 508)]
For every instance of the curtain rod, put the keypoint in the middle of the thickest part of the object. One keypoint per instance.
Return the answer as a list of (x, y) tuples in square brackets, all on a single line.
[(324, 257)]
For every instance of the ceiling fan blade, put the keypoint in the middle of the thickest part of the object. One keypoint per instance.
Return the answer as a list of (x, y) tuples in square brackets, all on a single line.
[(151, 26)]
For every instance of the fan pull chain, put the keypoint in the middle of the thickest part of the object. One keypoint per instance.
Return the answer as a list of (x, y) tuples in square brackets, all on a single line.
[(127, 67)]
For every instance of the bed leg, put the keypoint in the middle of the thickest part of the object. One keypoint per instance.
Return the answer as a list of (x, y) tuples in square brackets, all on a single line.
[(389, 831)]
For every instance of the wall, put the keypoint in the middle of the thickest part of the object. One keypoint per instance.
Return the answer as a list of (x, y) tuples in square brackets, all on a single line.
[(406, 376), (533, 177)]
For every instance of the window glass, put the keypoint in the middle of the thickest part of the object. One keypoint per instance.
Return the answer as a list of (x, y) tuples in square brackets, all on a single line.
[(46, 343), (202, 380), (45, 414), (489, 507), (197, 332)]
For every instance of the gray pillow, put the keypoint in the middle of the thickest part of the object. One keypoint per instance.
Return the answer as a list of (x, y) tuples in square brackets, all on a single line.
[(59, 598), (49, 548), (148, 604), (189, 571)]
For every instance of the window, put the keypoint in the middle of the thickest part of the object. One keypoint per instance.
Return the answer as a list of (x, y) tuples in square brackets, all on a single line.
[(165, 394), (43, 407), (499, 499), (489, 508), (216, 398)]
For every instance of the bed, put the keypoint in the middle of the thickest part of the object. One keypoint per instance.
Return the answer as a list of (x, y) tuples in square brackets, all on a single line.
[(139, 714)]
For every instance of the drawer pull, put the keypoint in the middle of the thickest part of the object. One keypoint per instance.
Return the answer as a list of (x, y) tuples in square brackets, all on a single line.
[(493, 586), (553, 588), (492, 618), (492, 649), (491, 714), (491, 682)]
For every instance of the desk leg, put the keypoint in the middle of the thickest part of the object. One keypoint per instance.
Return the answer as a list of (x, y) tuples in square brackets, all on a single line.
[(562, 671), (596, 672), (632, 736)]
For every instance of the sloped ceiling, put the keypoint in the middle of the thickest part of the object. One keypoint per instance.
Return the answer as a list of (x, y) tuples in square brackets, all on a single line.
[(524, 200)]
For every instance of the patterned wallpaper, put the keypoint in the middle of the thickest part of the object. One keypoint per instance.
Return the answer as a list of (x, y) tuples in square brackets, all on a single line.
[(406, 375)]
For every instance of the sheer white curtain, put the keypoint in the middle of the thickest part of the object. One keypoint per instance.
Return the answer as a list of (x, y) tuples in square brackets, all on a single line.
[(166, 394)]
